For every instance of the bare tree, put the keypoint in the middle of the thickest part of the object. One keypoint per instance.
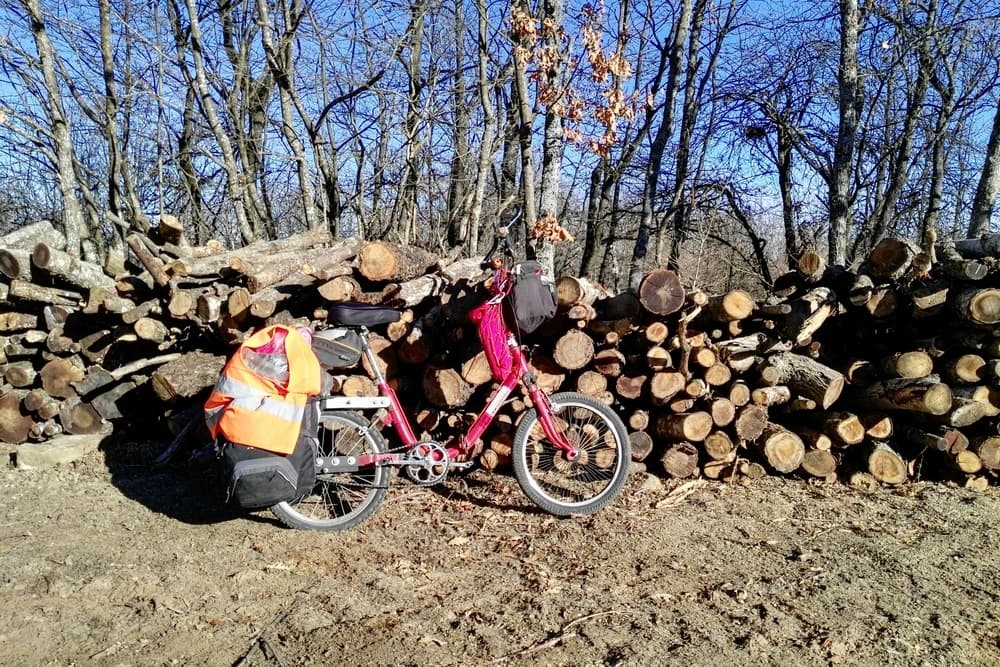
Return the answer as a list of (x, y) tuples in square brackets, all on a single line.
[(989, 182), (841, 172), (74, 225), (673, 53)]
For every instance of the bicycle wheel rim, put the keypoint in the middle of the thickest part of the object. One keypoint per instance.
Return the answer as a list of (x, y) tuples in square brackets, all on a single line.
[(586, 484), (340, 500)]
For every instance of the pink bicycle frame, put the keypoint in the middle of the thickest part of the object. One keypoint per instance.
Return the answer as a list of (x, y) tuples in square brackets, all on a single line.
[(520, 371)]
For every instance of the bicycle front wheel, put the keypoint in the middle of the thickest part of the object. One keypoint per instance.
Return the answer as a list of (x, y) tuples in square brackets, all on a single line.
[(340, 500), (589, 483)]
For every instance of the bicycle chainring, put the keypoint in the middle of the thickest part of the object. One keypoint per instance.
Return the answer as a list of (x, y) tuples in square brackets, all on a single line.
[(427, 463)]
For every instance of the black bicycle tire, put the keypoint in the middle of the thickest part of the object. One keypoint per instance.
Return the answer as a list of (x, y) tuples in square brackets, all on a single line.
[(287, 513), (537, 493)]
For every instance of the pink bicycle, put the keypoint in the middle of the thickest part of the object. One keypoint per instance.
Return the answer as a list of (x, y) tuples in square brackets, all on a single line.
[(570, 452)]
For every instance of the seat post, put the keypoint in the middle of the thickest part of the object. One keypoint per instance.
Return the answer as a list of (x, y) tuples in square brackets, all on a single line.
[(369, 353)]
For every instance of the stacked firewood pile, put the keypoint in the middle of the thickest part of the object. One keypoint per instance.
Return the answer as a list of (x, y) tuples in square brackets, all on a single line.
[(890, 372)]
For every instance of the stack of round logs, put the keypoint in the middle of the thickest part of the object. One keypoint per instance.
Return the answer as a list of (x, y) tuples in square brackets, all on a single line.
[(889, 373)]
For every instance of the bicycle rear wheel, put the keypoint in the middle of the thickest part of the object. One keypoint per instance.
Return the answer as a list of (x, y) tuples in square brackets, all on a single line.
[(594, 479), (340, 500)]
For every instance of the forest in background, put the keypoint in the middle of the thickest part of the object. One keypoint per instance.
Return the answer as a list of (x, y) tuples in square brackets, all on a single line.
[(725, 139)]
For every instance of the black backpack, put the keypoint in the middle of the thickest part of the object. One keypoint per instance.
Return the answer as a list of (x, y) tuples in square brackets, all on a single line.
[(533, 299), (256, 478)]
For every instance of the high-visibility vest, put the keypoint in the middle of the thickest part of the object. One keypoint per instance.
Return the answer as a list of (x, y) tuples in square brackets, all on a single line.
[(253, 410)]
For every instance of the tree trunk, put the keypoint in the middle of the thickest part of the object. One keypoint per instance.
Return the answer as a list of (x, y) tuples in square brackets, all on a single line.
[(841, 171)]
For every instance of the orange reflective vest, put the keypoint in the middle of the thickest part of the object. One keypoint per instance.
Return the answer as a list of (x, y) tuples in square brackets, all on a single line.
[(250, 409)]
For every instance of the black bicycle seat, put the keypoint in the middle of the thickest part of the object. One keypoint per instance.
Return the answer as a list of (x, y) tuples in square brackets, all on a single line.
[(352, 314)]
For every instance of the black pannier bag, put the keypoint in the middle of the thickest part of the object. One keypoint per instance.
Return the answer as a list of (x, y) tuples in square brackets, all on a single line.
[(337, 348), (533, 297), (256, 478)]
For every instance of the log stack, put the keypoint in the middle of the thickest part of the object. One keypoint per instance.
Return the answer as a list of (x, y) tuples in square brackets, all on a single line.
[(890, 372)]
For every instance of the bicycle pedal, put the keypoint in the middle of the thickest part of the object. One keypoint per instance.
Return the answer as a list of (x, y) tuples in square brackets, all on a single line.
[(461, 466)]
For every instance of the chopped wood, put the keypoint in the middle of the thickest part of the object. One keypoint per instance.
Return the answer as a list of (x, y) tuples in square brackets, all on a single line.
[(807, 377), (573, 350), (25, 291), (15, 420), (693, 426), (661, 293), (733, 305), (641, 444), (381, 261), (885, 465), (782, 449), (680, 460), (925, 395), (70, 268), (818, 463), (979, 306)]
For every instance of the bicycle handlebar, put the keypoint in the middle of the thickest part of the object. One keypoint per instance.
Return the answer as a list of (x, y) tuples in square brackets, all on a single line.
[(500, 242)]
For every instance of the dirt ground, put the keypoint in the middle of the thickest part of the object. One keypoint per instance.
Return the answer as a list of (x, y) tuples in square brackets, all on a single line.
[(108, 562)]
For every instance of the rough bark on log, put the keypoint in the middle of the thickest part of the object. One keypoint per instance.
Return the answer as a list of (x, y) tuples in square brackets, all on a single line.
[(187, 376), (17, 321), (152, 264), (445, 388), (929, 299), (213, 264), (265, 271), (70, 268), (15, 263), (924, 395), (951, 263), (29, 235), (979, 306), (807, 377), (25, 291), (380, 261), (809, 312)]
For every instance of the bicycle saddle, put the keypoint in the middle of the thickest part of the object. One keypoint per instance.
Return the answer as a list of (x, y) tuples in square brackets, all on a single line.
[(361, 314)]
